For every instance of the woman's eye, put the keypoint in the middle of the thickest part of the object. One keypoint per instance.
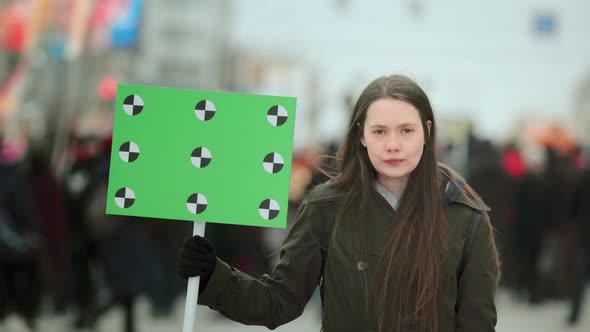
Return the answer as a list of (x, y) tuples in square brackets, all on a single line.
[(378, 131), (407, 130)]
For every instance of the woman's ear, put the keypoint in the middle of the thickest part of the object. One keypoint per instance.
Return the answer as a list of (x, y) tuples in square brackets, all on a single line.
[(429, 125), (363, 142)]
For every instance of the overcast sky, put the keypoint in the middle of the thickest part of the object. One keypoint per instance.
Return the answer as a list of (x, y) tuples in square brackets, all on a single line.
[(482, 60)]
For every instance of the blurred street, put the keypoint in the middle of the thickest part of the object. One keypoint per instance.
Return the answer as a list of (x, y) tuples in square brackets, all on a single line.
[(514, 316)]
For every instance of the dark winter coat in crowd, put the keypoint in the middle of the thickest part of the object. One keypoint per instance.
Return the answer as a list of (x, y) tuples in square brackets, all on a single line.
[(497, 188), (581, 208), (533, 218), (19, 242), (581, 265), (543, 234), (50, 202), (121, 247)]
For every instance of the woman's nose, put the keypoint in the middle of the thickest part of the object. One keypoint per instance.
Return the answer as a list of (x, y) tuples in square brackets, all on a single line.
[(392, 144)]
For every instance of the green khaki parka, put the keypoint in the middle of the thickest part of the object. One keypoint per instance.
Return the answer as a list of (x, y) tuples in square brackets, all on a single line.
[(467, 304)]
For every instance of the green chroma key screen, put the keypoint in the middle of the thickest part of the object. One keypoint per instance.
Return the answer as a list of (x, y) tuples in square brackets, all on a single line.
[(201, 155)]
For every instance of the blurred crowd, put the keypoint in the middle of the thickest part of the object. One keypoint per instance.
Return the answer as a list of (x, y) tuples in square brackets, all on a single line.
[(540, 200), (60, 253)]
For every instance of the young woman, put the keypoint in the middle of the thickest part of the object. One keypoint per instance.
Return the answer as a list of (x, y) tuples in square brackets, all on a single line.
[(385, 238)]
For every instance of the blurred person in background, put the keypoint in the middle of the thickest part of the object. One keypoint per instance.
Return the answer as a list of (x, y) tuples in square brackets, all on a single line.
[(20, 240), (81, 151), (542, 232), (491, 181), (160, 240), (581, 217), (121, 248), (50, 201), (555, 261), (164, 239), (531, 219), (387, 263)]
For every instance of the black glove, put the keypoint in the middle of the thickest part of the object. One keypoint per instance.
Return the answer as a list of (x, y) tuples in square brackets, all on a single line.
[(197, 258)]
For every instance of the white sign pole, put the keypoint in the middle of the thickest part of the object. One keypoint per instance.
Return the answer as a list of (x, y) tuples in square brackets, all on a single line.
[(192, 291)]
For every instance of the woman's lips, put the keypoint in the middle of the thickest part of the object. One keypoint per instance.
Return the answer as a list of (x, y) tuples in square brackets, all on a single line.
[(393, 162)]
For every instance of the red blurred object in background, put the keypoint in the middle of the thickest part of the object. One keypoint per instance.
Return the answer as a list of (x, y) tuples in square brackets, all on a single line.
[(513, 163), (15, 29), (107, 11), (107, 88)]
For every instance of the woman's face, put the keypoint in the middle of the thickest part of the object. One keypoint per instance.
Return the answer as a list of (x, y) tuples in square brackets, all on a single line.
[(394, 138)]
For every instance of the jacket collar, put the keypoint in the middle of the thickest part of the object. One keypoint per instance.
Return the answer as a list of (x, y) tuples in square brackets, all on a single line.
[(387, 195), (453, 189)]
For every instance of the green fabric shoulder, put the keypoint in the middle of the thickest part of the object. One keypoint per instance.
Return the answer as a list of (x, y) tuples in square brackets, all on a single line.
[(456, 189), (323, 193)]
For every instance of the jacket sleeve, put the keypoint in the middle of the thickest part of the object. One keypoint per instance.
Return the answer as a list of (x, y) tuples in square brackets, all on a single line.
[(277, 298), (475, 306)]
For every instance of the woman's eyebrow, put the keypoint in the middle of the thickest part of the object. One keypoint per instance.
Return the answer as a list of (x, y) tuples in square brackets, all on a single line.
[(408, 124)]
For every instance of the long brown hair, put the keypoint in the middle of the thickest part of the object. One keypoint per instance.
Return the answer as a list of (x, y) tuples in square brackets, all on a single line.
[(409, 288)]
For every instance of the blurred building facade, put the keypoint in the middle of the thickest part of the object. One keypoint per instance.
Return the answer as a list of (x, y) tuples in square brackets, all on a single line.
[(184, 44), (582, 112)]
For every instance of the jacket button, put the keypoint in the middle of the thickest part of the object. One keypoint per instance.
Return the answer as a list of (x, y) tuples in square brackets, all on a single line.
[(361, 265)]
